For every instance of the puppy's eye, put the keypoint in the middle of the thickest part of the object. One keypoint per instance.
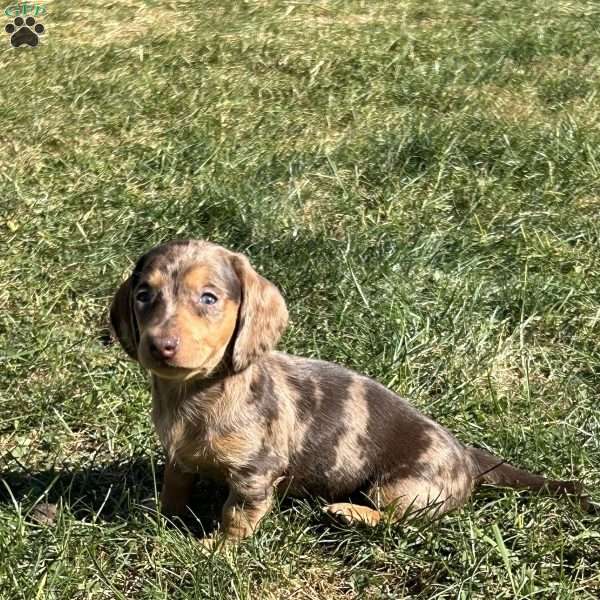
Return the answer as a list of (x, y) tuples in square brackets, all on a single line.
[(143, 296), (208, 298)]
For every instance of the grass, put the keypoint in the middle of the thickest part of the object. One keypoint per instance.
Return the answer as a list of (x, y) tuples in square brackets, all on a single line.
[(422, 181)]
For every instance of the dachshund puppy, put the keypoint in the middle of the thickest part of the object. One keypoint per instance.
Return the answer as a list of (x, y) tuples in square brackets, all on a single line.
[(205, 324)]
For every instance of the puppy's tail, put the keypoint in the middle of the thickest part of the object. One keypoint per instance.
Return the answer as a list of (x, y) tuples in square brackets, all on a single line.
[(491, 470)]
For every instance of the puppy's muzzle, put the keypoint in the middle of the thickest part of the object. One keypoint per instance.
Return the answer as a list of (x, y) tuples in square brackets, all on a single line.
[(164, 348)]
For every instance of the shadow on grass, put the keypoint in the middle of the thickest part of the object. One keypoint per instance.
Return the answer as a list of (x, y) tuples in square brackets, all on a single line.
[(119, 490)]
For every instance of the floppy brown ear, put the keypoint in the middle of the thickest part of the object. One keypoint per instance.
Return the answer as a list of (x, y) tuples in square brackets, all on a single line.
[(262, 318), (122, 319)]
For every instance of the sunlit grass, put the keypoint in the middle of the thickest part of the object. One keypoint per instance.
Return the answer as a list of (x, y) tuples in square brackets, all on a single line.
[(421, 180)]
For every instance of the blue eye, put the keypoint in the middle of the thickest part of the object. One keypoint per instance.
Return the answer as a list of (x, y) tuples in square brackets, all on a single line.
[(208, 298)]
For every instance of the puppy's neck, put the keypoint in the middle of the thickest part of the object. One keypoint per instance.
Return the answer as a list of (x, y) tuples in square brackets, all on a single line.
[(178, 390), (213, 399)]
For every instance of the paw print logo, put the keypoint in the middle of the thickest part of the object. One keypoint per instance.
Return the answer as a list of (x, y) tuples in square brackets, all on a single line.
[(24, 32)]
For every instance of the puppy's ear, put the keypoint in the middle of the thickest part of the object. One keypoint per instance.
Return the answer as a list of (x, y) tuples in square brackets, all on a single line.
[(262, 317), (122, 320)]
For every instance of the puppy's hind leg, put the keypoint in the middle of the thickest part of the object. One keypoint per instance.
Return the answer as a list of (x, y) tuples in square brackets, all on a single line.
[(351, 514), (396, 498), (418, 497)]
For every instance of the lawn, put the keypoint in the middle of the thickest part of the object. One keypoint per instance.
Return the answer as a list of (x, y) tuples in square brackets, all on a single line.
[(422, 180)]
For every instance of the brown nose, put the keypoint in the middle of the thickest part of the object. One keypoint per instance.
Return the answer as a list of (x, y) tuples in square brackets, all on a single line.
[(164, 347)]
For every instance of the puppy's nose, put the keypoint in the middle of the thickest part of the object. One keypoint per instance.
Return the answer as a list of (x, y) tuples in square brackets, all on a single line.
[(165, 347)]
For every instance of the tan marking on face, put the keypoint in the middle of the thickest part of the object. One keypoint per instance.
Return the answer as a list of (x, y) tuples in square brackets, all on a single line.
[(203, 338), (203, 332), (157, 279), (196, 277)]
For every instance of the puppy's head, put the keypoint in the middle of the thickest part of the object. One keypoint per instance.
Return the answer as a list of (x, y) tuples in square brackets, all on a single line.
[(188, 306)]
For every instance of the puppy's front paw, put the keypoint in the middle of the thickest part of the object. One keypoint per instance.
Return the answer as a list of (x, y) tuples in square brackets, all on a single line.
[(216, 542), (210, 542)]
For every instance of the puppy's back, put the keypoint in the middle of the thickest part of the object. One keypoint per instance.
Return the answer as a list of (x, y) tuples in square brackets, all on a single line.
[(352, 432)]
